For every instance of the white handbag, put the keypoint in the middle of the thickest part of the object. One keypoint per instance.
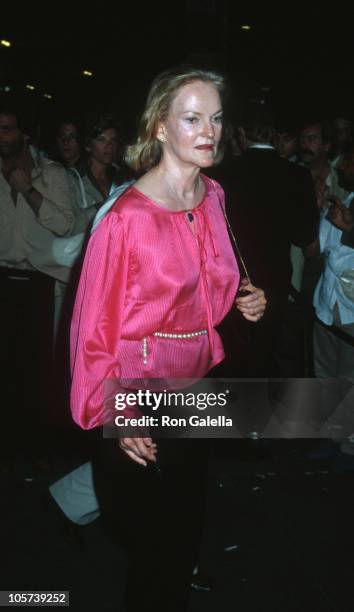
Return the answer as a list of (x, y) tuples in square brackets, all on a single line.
[(67, 250)]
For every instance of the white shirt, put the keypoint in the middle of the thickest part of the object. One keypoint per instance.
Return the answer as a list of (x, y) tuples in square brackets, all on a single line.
[(338, 258)]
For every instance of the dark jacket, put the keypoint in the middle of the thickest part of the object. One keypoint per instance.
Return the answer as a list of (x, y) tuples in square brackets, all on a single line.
[(271, 204)]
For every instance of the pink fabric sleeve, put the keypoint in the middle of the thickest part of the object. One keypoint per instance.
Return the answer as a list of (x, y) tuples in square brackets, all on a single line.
[(96, 322)]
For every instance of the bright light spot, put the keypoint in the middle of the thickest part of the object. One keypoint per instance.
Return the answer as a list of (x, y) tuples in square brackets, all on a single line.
[(30, 87), (49, 96), (246, 28), (87, 73), (5, 43)]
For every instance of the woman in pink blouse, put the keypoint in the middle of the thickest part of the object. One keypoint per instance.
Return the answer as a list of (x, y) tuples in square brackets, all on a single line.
[(158, 277)]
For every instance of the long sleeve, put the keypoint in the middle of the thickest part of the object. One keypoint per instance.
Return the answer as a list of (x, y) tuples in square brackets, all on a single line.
[(57, 211), (97, 320)]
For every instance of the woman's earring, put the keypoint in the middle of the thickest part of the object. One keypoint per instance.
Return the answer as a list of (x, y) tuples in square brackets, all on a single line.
[(160, 134)]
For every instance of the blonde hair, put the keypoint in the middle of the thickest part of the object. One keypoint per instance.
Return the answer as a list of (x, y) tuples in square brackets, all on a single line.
[(146, 151)]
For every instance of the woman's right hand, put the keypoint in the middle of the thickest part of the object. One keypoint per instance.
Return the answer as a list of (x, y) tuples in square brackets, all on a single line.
[(251, 306), (140, 450)]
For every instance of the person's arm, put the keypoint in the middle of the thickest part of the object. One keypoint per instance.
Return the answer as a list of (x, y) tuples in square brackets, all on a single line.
[(342, 217), (96, 321), (96, 330), (251, 306), (49, 197), (22, 183)]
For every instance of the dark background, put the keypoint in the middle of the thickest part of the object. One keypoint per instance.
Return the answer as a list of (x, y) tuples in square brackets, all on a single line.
[(290, 518), (299, 60)]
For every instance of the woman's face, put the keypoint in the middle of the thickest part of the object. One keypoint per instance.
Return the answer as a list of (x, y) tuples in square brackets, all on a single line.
[(103, 149), (191, 133)]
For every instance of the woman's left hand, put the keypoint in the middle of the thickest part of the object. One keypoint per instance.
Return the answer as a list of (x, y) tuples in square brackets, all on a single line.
[(251, 306)]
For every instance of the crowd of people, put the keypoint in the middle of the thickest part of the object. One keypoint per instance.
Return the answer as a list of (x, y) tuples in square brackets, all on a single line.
[(158, 275)]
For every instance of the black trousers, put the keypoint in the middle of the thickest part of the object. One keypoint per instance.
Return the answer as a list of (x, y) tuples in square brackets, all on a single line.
[(157, 516), (26, 358)]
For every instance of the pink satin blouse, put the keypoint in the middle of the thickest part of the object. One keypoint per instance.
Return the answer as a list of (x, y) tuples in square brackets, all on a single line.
[(146, 273)]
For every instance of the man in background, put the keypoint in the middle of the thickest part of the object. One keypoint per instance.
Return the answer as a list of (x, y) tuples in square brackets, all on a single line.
[(36, 205)]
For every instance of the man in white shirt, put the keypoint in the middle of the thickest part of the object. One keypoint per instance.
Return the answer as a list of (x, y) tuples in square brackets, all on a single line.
[(35, 206), (314, 146), (334, 330)]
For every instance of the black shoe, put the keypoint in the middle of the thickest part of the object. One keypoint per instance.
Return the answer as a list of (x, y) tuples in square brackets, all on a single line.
[(92, 540), (68, 531)]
